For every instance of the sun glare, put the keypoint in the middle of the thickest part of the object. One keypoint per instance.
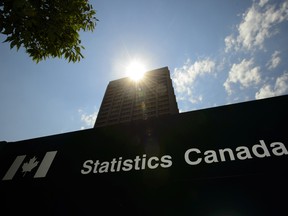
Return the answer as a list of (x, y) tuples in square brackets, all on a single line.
[(135, 70)]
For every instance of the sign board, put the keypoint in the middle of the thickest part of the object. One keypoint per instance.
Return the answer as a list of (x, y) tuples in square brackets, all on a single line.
[(229, 160)]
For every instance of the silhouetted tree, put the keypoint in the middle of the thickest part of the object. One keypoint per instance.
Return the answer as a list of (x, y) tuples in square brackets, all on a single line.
[(47, 28)]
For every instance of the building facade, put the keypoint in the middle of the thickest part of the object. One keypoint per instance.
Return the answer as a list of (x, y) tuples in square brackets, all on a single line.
[(126, 100)]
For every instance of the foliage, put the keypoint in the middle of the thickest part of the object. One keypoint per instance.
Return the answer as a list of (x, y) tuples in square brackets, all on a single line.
[(47, 28)]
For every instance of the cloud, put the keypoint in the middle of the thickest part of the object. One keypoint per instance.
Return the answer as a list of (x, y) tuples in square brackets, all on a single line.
[(258, 24), (196, 99), (274, 61), (243, 73), (230, 43), (263, 2), (184, 78), (87, 119), (280, 88)]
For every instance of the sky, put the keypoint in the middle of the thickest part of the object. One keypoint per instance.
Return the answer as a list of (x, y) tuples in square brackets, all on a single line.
[(218, 53)]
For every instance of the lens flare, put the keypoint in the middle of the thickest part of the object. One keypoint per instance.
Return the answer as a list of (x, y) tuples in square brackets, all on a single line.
[(135, 70)]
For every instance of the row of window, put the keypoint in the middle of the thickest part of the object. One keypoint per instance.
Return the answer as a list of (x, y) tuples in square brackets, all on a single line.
[(135, 116), (164, 101)]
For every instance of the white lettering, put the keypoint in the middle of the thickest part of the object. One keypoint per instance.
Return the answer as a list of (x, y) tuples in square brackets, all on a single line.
[(113, 162), (116, 165), (278, 146), (104, 167), (96, 166), (166, 161), (119, 164), (187, 158), (243, 153), (87, 165), (222, 156), (149, 162), (192, 156), (127, 165), (211, 156), (264, 151), (143, 162), (137, 160)]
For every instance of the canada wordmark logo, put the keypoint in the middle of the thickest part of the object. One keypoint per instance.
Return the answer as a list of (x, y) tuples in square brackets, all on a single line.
[(30, 165)]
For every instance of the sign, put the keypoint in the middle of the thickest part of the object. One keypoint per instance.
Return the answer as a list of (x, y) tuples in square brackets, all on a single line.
[(28, 166), (229, 160)]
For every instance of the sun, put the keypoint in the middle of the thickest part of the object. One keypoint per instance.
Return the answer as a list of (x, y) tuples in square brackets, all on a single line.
[(135, 70)]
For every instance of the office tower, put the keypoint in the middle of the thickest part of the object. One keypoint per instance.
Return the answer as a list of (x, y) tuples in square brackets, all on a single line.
[(126, 100)]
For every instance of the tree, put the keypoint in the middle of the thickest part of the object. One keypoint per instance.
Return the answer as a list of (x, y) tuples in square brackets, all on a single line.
[(47, 28)]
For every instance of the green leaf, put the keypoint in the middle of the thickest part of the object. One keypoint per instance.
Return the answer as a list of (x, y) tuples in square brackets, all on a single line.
[(48, 28), (9, 38), (12, 44)]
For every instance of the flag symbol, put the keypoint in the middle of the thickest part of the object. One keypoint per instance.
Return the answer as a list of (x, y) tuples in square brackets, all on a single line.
[(28, 166)]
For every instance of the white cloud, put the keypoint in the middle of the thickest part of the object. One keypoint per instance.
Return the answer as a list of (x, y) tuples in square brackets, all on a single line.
[(258, 23), (262, 2), (274, 61), (230, 43), (184, 78), (243, 73), (196, 99), (88, 119), (280, 88)]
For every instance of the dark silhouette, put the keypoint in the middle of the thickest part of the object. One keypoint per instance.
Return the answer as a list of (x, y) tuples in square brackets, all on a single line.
[(47, 28)]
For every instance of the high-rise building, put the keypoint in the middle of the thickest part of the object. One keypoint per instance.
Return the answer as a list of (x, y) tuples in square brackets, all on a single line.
[(126, 100)]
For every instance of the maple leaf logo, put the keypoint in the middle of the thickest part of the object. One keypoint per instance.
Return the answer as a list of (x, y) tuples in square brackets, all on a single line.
[(27, 167)]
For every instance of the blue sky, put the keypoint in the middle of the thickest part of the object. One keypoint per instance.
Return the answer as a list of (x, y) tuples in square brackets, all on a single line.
[(218, 52)]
